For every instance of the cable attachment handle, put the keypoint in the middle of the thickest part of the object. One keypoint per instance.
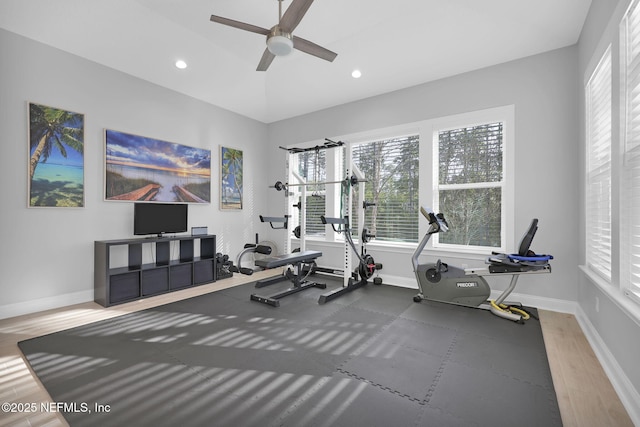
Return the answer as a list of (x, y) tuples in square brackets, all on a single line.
[(336, 221), (284, 220)]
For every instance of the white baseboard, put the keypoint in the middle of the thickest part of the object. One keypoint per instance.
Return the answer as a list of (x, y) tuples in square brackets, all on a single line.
[(42, 304), (402, 282), (544, 303), (552, 304), (627, 393)]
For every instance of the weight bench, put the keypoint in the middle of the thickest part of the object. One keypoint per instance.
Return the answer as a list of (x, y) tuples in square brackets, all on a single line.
[(297, 259)]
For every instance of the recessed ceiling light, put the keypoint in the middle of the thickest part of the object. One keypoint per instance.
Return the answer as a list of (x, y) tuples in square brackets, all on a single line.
[(356, 74), (181, 64)]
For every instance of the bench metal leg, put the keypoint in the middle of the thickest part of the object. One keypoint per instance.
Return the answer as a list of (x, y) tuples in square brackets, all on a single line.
[(273, 299), (270, 281), (331, 295)]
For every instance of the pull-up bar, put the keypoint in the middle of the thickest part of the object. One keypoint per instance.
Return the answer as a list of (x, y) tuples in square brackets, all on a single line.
[(282, 186), (328, 144)]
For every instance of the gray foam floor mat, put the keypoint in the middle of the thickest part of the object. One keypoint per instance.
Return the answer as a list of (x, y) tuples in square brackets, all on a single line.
[(370, 358)]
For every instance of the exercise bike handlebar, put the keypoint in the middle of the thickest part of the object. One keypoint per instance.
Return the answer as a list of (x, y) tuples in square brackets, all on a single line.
[(436, 221)]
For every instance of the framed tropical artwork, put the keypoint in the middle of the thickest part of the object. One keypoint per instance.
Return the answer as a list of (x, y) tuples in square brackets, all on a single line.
[(230, 178), (56, 157), (141, 169)]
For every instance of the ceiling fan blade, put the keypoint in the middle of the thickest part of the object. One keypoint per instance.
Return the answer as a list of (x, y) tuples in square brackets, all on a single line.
[(238, 24), (313, 49), (294, 14), (265, 61)]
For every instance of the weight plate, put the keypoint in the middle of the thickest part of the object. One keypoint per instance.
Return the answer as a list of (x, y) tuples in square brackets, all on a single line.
[(367, 267)]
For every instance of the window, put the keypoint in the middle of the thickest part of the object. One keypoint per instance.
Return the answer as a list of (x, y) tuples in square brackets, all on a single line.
[(390, 167), (469, 185), (598, 169), (460, 165), (630, 189), (311, 167)]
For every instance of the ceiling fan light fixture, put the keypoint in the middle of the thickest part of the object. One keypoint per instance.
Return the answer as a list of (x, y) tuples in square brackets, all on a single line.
[(279, 40), (279, 43)]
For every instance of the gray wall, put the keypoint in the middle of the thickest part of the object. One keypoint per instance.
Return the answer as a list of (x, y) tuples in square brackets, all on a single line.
[(610, 320), (46, 257), (544, 90)]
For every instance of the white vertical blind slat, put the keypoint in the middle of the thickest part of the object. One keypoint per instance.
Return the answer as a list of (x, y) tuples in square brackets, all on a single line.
[(630, 212), (598, 191)]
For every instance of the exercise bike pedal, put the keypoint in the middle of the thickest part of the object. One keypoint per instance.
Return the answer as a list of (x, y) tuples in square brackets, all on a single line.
[(433, 275)]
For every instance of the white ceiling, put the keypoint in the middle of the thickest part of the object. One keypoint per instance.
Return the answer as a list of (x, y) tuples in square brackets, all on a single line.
[(396, 44)]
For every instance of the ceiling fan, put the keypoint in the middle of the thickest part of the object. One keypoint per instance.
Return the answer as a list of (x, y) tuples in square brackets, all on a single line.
[(280, 40)]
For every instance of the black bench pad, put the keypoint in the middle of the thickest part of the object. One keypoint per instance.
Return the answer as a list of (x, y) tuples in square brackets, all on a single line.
[(292, 258)]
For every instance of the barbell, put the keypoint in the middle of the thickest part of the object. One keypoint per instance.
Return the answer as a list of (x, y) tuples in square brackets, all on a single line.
[(279, 185)]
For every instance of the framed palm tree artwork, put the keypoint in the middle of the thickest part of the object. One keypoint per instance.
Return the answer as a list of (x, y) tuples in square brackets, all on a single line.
[(56, 157), (230, 178)]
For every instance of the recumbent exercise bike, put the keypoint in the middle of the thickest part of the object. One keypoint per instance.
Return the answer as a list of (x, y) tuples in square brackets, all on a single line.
[(467, 286)]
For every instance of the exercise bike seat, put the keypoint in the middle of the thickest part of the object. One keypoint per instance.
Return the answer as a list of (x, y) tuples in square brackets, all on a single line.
[(525, 242), (524, 260)]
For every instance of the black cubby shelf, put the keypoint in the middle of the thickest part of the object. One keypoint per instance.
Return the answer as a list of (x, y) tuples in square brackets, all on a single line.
[(136, 280)]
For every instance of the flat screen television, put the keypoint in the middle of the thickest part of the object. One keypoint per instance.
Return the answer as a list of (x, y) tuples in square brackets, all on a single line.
[(159, 218)]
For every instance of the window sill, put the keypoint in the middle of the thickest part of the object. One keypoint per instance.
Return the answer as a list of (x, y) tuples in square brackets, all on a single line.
[(402, 248), (619, 298)]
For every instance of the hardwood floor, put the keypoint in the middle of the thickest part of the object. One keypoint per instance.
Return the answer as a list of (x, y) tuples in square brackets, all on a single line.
[(585, 395)]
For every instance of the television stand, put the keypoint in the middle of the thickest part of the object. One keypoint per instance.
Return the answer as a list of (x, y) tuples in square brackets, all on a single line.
[(119, 284)]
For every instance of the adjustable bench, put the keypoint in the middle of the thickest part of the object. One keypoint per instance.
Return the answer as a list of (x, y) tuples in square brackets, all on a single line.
[(297, 259)]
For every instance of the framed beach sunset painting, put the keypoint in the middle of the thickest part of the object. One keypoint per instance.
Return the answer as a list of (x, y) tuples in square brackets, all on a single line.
[(56, 157), (141, 169)]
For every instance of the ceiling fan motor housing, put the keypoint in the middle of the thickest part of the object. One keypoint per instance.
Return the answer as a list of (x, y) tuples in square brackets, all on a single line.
[(279, 42)]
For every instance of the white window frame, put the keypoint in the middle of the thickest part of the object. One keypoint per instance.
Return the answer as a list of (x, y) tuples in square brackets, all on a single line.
[(401, 135), (629, 146), (505, 115), (598, 169), (426, 130)]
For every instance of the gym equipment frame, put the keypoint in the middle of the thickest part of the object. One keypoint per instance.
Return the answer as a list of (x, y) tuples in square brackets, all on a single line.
[(297, 187), (302, 260), (366, 264)]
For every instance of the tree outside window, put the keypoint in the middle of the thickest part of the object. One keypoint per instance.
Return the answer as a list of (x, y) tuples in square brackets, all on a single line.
[(470, 183), (391, 170)]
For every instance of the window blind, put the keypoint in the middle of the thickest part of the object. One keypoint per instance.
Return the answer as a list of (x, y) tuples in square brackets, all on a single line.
[(312, 167), (598, 191), (470, 185), (391, 169), (630, 189)]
